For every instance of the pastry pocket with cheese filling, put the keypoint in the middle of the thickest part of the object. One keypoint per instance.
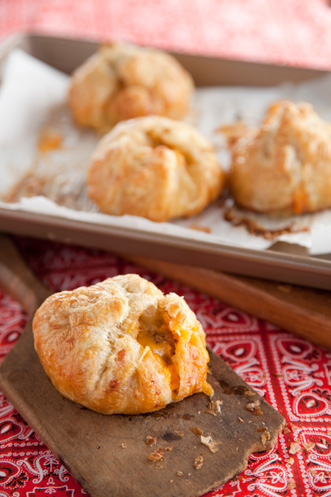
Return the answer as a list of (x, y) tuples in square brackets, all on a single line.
[(154, 167), (122, 81), (121, 346), (283, 166)]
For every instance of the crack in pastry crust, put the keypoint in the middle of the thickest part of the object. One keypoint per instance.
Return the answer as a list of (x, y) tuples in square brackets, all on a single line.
[(285, 165), (154, 167), (121, 346), (123, 81)]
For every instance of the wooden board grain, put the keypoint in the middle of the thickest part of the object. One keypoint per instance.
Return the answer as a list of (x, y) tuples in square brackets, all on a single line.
[(108, 455)]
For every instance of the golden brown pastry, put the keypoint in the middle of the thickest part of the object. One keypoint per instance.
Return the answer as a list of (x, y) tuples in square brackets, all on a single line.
[(154, 167), (285, 165), (121, 346), (123, 81)]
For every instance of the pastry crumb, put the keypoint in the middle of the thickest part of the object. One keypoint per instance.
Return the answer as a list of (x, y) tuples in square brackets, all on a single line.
[(291, 485), (179, 433), (290, 460), (197, 431), (265, 437), (214, 407), (294, 448), (49, 139), (199, 227), (208, 442), (254, 407), (308, 446), (168, 448), (179, 473), (158, 465), (249, 393), (124, 446), (265, 434), (171, 481), (157, 455), (241, 420), (198, 462), (151, 440)]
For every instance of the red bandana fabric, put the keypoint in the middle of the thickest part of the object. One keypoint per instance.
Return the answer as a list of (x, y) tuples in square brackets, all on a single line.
[(291, 374), (294, 32)]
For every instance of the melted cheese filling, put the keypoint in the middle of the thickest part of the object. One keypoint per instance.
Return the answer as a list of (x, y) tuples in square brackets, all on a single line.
[(155, 334)]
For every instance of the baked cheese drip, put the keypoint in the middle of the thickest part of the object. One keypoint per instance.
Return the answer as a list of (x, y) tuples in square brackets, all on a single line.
[(121, 346), (123, 81), (285, 165), (154, 167)]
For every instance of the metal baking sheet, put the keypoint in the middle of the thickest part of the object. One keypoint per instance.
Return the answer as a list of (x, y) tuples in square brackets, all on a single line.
[(288, 263)]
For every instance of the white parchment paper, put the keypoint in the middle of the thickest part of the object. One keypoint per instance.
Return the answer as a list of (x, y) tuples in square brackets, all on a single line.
[(33, 96)]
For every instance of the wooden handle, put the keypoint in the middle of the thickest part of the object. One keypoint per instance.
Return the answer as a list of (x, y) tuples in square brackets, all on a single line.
[(304, 311), (17, 279)]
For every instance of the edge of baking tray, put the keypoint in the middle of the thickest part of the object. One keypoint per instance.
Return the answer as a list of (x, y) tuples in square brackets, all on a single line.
[(268, 264), (211, 70)]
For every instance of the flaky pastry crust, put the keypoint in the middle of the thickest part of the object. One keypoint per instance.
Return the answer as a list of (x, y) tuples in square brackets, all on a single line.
[(285, 165), (121, 346), (123, 81), (154, 167)]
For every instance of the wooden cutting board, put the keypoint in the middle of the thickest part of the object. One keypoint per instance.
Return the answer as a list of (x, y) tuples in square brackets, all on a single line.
[(108, 455)]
